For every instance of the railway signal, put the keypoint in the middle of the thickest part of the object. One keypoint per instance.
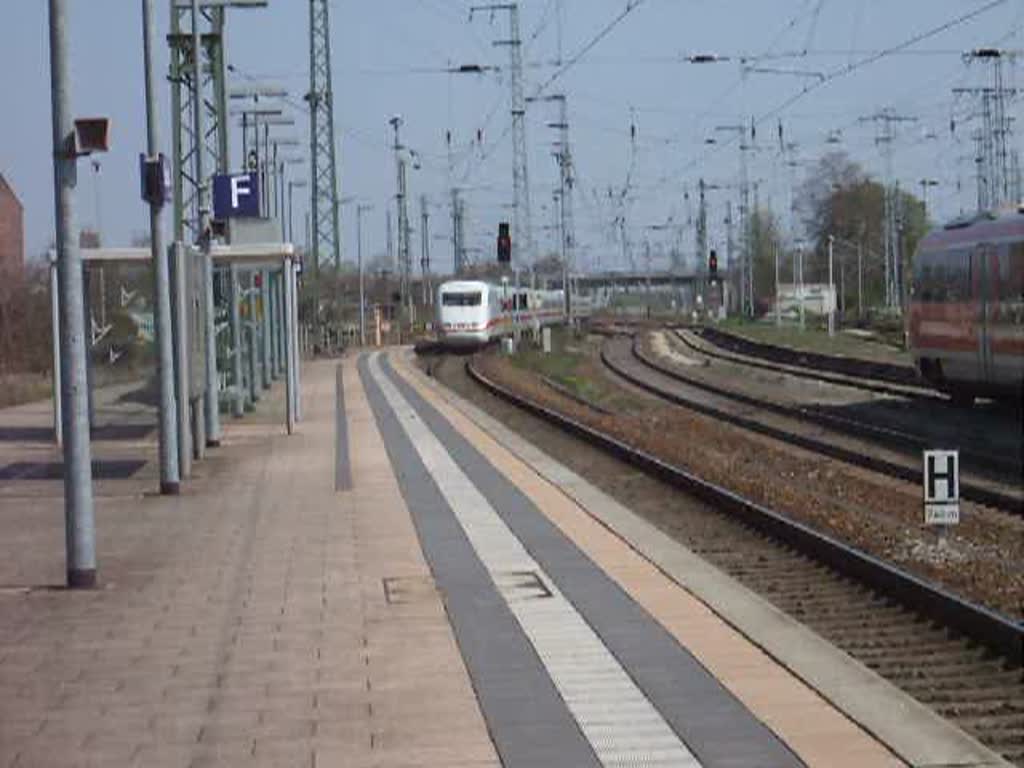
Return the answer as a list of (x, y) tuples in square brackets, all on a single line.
[(713, 265), (504, 244)]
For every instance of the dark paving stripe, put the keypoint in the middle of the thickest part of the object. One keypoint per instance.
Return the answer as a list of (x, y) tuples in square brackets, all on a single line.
[(26, 434), (716, 727), (122, 431), (342, 465), (104, 469), (527, 718)]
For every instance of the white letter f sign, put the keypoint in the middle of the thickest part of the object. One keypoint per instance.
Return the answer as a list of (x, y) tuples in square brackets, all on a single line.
[(239, 187)]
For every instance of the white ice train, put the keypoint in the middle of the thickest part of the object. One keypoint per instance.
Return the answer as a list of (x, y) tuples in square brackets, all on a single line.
[(475, 313)]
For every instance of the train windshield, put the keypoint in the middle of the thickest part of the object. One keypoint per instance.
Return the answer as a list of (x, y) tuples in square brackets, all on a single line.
[(461, 299)]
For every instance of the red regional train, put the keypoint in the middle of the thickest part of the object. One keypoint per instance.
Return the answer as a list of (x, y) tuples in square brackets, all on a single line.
[(966, 323)]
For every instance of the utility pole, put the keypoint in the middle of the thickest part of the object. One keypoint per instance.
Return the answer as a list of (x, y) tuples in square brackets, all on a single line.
[(831, 287), (800, 283), (745, 146), (211, 403), (522, 233), (885, 122), (389, 238), (778, 305), (360, 210), (458, 231), (80, 531), (730, 241), (425, 250), (402, 201), (326, 231), (702, 228), (563, 197), (997, 184), (200, 142), (170, 475)]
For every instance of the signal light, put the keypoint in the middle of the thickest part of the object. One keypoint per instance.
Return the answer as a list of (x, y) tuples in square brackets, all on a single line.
[(713, 265), (504, 243)]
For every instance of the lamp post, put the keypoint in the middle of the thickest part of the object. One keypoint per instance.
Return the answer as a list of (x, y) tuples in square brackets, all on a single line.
[(832, 289), (360, 210), (800, 282)]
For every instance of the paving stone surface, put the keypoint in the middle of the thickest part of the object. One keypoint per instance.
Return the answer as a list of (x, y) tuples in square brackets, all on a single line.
[(243, 623)]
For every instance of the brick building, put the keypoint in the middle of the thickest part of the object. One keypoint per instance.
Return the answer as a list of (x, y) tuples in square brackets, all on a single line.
[(12, 234)]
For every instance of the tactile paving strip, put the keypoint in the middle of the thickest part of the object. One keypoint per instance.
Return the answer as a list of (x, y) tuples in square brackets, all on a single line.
[(617, 719)]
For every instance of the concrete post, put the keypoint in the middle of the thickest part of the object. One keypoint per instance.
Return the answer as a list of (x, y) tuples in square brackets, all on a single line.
[(80, 532), (170, 477), (238, 405)]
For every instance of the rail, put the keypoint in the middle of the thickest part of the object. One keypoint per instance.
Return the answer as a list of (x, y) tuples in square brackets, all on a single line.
[(992, 630)]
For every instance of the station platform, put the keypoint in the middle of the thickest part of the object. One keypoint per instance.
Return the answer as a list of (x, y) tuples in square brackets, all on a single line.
[(401, 583)]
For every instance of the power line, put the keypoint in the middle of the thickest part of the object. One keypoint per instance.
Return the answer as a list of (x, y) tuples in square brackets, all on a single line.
[(851, 68), (631, 6)]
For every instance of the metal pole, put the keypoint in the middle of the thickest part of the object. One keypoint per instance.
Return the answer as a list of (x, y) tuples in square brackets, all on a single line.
[(265, 326), (58, 426), (80, 529), (291, 225), (831, 288), (238, 405), (252, 348), (297, 367), (778, 306), (282, 188), (282, 323), (359, 259), (181, 358), (90, 390), (271, 311), (860, 280), (800, 283), (211, 398), (289, 346), (170, 477)]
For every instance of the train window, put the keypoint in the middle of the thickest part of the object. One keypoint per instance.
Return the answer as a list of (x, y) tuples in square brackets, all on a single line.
[(942, 276), (1011, 283), (461, 299)]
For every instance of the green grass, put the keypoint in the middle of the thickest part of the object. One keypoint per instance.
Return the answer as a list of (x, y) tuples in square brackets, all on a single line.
[(18, 388), (816, 339), (565, 364)]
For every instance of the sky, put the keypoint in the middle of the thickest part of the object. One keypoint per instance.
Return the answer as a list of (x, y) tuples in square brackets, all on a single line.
[(637, 110)]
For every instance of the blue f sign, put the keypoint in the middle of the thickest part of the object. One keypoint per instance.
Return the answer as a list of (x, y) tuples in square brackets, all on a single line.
[(236, 196)]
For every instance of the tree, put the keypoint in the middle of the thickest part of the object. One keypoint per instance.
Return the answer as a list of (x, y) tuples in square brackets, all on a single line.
[(765, 239), (839, 199)]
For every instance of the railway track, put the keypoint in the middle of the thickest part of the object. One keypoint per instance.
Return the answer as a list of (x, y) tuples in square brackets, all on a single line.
[(862, 444), (848, 366), (710, 348), (961, 660)]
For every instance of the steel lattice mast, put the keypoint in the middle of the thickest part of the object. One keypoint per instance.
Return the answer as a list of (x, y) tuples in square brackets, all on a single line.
[(522, 233), (326, 232)]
